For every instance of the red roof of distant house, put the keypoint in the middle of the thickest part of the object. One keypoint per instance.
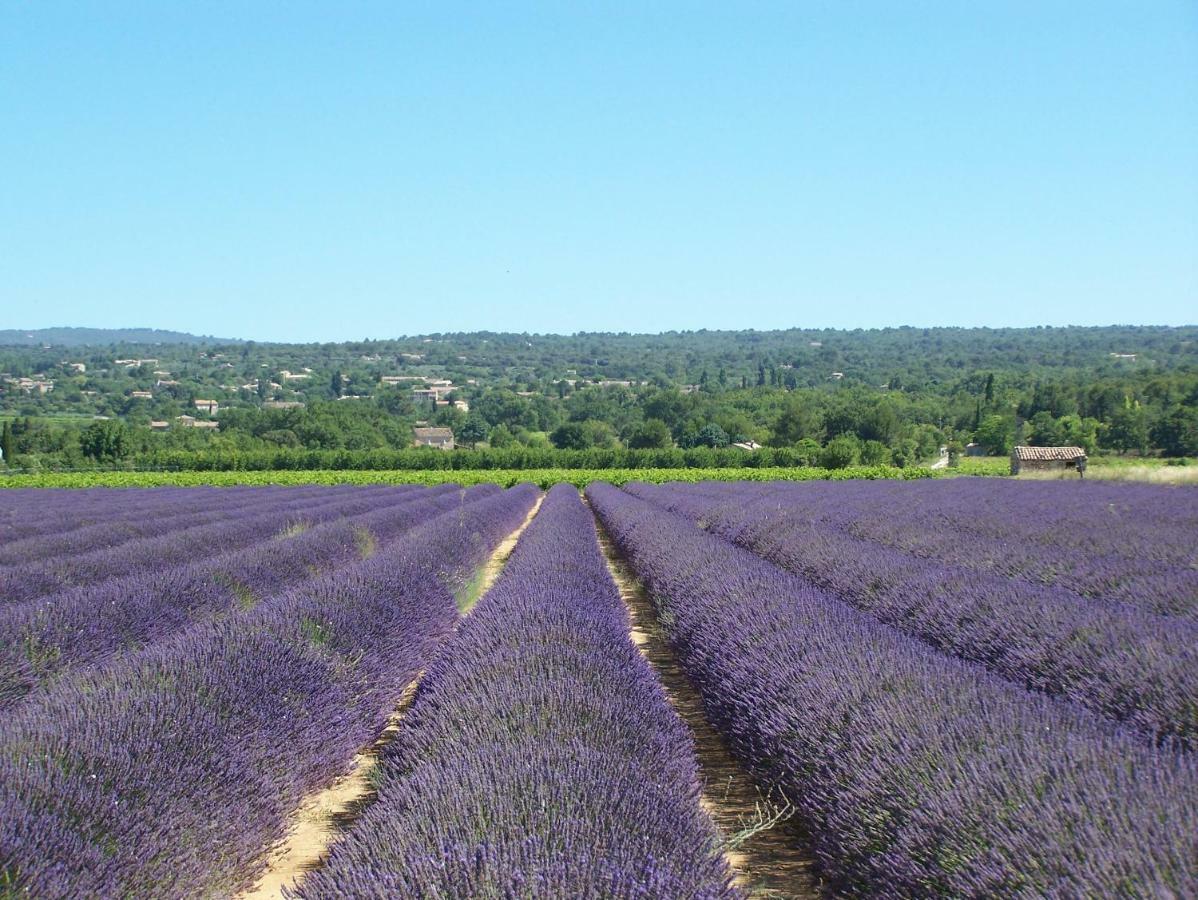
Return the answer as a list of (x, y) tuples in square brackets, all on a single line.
[(1048, 453)]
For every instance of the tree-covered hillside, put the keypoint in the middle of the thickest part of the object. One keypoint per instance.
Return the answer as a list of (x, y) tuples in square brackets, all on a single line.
[(881, 395)]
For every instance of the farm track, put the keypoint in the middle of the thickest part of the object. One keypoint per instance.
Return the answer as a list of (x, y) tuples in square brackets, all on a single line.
[(324, 815), (768, 858), (493, 567)]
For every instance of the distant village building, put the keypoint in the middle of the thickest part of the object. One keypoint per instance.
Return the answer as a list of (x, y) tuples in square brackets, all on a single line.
[(159, 425), (282, 404), (1037, 459), (747, 445), (207, 406), (142, 395), (38, 383), (974, 449), (836, 376), (193, 422), (78, 367), (441, 438), (434, 392)]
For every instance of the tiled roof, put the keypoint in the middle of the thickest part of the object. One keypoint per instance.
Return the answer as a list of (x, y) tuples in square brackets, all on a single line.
[(434, 433), (1049, 453)]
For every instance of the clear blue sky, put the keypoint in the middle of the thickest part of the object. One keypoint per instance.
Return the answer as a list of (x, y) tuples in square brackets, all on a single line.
[(302, 171)]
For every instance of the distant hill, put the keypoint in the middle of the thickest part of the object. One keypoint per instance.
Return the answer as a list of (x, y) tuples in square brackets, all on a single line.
[(79, 337)]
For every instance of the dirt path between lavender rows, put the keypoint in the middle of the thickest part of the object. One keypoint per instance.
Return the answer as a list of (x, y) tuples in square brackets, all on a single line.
[(771, 861), (325, 814)]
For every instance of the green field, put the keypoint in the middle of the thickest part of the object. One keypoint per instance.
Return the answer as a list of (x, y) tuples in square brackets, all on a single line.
[(1110, 468), (505, 477)]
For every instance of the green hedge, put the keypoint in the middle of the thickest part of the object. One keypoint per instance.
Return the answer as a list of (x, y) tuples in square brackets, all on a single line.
[(506, 477), (226, 459)]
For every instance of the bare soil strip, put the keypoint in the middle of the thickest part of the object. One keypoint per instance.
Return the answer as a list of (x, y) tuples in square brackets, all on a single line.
[(325, 814), (765, 850), (494, 566)]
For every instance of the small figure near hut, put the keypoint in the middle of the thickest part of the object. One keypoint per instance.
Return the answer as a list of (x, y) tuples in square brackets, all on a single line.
[(1048, 458)]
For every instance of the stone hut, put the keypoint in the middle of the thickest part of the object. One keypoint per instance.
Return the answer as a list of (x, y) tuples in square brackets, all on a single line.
[(441, 438), (1034, 459)]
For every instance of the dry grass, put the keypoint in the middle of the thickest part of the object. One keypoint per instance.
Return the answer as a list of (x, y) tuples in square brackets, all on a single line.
[(1152, 474)]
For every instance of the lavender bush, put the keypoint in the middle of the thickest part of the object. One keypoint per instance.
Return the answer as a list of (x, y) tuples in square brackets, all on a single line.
[(227, 531), (541, 757), (127, 520), (168, 774), (1124, 663), (918, 774), (41, 640), (1130, 543)]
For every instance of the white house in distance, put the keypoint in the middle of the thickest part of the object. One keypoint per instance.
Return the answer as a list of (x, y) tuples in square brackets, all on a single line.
[(441, 438), (207, 406), (193, 422)]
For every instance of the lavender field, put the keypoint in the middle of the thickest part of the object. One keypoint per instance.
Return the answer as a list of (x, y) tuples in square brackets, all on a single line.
[(958, 688)]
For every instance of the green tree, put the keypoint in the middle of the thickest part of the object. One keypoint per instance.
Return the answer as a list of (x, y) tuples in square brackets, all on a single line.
[(1177, 433), (996, 434), (570, 436), (107, 441), (6, 443), (796, 421), (841, 452), (474, 430), (652, 434), (710, 435), (1127, 430), (501, 436), (875, 453), (1046, 431)]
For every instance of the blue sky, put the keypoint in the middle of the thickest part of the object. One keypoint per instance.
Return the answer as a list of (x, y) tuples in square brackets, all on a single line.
[(300, 171)]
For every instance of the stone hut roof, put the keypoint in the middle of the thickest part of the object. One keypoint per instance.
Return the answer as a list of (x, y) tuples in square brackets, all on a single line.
[(1048, 453)]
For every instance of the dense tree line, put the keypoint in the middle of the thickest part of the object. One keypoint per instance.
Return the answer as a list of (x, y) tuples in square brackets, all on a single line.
[(834, 398)]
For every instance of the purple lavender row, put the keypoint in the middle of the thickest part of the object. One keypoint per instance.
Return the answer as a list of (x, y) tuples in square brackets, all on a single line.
[(170, 774), (44, 512), (917, 774), (1121, 662), (168, 515), (540, 757), (41, 641), (1133, 544), (166, 518), (236, 529)]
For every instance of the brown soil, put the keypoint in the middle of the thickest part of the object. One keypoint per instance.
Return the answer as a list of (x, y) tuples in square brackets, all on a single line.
[(494, 566), (322, 815), (325, 814), (767, 860)]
